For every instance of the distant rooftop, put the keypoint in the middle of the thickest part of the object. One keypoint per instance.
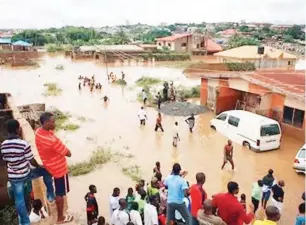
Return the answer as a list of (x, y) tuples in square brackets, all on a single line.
[(250, 52), (173, 37), (5, 41), (22, 43)]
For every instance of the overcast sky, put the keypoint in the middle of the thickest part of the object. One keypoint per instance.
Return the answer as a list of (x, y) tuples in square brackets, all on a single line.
[(56, 13)]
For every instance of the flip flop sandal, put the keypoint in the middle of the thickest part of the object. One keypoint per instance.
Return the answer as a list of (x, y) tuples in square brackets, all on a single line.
[(68, 219)]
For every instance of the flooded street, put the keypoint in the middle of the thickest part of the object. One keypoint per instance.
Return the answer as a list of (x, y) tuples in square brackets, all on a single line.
[(116, 125)]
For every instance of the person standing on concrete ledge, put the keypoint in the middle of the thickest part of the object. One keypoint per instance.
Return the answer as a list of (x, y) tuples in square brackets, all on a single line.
[(18, 156), (53, 154)]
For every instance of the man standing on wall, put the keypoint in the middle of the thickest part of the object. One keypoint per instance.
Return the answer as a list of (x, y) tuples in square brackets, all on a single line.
[(18, 156), (52, 153)]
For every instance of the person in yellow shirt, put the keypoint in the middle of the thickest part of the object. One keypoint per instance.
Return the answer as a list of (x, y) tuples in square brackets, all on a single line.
[(273, 215)]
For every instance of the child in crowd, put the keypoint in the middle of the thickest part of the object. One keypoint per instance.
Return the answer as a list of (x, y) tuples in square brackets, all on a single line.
[(156, 169), (243, 201), (91, 205), (101, 220), (300, 219), (38, 212), (130, 198)]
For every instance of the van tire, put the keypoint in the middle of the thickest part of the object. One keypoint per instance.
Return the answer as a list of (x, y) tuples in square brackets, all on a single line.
[(213, 127), (247, 144)]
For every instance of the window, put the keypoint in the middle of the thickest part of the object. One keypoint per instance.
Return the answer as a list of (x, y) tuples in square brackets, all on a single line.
[(169, 44), (159, 44), (222, 117), (234, 121), (302, 153), (294, 117), (184, 44), (269, 130), (289, 63)]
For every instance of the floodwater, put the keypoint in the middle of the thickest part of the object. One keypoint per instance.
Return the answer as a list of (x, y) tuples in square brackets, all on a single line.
[(116, 126)]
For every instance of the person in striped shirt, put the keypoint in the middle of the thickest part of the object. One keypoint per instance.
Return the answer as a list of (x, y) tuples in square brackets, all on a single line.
[(53, 155), (21, 167)]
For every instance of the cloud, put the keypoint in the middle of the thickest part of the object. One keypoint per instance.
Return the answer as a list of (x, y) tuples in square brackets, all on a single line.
[(55, 13)]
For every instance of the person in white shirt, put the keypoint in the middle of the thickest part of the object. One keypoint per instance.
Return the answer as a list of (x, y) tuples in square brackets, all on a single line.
[(176, 136), (114, 200), (150, 211), (142, 116), (144, 96), (135, 215), (38, 212), (121, 215)]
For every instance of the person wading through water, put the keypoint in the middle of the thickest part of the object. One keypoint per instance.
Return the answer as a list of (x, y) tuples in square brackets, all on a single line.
[(159, 100), (228, 154), (142, 116), (190, 121), (158, 123)]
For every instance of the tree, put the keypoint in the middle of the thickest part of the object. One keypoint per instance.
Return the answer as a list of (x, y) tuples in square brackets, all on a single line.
[(121, 38), (237, 41), (296, 32), (155, 33), (288, 38), (243, 28), (172, 27)]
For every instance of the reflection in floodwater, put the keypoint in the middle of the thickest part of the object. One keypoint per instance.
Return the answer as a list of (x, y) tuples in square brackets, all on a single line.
[(116, 124)]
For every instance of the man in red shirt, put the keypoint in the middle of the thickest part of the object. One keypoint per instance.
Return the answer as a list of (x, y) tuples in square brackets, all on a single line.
[(52, 153), (198, 196), (229, 208)]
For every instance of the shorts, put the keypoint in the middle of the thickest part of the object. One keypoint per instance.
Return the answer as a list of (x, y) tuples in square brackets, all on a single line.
[(227, 158), (61, 185), (277, 204), (266, 195)]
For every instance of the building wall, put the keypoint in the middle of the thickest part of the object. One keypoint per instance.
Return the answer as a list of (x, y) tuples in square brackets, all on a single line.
[(178, 44), (203, 94), (262, 63), (226, 97)]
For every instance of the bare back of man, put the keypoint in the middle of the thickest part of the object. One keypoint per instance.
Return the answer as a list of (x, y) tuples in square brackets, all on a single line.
[(228, 154)]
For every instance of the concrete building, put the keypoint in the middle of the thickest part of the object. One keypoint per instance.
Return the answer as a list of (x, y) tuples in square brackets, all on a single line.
[(271, 57), (278, 94), (176, 42)]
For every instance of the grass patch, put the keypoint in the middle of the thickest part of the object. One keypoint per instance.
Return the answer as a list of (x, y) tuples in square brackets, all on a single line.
[(54, 48), (148, 81), (52, 89), (61, 119), (99, 157), (59, 67), (120, 82), (133, 172), (8, 215)]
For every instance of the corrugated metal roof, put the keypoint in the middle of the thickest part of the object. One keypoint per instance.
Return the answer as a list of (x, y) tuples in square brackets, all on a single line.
[(22, 43), (123, 48), (173, 37), (5, 41)]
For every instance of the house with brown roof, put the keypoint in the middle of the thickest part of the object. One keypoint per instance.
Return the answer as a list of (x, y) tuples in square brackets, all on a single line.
[(176, 42), (278, 94), (262, 57)]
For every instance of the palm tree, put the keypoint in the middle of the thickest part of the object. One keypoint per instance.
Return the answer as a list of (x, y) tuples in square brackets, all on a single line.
[(121, 37)]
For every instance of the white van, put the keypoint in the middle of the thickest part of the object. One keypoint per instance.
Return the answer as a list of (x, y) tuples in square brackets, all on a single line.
[(249, 129)]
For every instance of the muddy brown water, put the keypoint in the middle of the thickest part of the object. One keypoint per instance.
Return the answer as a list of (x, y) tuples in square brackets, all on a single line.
[(116, 125)]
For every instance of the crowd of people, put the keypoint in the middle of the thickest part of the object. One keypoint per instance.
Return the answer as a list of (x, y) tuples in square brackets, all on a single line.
[(163, 201)]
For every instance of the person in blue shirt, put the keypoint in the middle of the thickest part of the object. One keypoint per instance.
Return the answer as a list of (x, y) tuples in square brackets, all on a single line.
[(177, 190), (300, 219)]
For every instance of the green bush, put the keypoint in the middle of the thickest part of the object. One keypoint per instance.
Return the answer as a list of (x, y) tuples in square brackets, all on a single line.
[(188, 92), (120, 82), (54, 48), (59, 67), (148, 81), (61, 119), (247, 66), (133, 172)]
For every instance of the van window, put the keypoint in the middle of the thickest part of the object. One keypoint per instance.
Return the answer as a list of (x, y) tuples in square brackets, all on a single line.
[(302, 153), (234, 121), (222, 117), (269, 130)]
